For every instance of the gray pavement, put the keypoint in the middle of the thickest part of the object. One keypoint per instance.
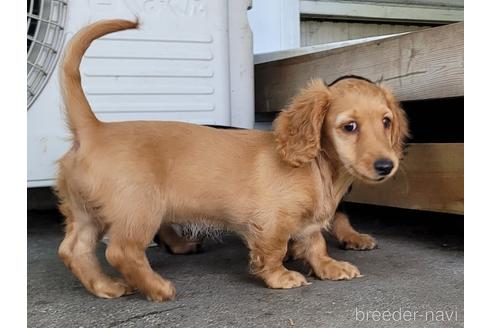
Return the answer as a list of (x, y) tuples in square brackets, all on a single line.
[(414, 279)]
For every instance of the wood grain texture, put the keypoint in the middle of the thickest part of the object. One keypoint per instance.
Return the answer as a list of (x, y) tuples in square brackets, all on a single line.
[(431, 177), (423, 3), (319, 32), (375, 11), (421, 65)]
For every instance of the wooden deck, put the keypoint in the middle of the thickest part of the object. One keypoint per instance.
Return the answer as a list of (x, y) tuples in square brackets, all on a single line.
[(420, 65)]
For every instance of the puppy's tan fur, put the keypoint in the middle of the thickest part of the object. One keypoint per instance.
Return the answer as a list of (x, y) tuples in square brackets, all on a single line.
[(127, 179)]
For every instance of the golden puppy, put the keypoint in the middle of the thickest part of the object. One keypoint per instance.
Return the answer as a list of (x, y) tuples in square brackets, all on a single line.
[(127, 179)]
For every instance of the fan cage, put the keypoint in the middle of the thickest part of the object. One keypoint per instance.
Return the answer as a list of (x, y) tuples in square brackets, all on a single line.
[(45, 35)]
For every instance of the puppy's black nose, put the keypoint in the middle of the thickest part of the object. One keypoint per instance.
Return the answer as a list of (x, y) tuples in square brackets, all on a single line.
[(383, 166)]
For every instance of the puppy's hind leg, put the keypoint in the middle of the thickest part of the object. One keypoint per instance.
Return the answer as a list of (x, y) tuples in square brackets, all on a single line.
[(347, 237), (128, 240), (175, 243), (77, 251)]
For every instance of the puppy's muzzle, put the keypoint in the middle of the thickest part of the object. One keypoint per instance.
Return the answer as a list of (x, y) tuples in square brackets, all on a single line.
[(383, 166)]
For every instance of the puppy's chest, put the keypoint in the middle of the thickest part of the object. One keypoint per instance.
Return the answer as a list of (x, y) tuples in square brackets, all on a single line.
[(330, 195), (325, 210)]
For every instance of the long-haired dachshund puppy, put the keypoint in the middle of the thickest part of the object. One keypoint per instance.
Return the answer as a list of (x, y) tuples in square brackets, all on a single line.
[(278, 189)]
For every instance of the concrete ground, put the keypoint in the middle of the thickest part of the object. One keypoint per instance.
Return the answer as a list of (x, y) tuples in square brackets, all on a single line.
[(414, 279)]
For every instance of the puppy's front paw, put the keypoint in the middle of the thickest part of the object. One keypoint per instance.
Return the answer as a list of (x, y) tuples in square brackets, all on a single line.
[(359, 242), (336, 270), (161, 292), (285, 279)]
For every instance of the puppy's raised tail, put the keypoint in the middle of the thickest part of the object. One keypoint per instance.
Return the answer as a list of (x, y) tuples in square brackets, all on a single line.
[(78, 110)]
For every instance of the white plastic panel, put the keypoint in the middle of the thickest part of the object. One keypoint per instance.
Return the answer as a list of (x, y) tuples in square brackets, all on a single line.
[(191, 60), (175, 63), (275, 25)]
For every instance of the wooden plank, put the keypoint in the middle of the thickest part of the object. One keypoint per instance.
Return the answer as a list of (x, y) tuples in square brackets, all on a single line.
[(321, 31), (435, 3), (419, 65), (295, 52), (381, 11), (440, 3), (431, 177)]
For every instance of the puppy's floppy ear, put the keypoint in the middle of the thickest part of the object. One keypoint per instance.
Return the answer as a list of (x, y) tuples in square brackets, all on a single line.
[(399, 126), (297, 129)]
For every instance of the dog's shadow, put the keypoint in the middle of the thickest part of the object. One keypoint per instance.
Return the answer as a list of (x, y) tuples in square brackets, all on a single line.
[(230, 257)]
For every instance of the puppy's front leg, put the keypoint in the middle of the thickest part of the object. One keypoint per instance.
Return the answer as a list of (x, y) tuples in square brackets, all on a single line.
[(267, 251), (347, 237), (310, 246)]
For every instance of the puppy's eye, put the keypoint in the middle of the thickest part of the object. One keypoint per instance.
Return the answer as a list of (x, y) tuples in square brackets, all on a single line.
[(351, 127), (386, 122)]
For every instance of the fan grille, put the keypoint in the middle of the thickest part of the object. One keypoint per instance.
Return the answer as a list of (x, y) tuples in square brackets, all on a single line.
[(45, 23)]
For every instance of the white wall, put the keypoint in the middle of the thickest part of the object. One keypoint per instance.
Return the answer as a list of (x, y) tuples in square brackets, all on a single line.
[(275, 25)]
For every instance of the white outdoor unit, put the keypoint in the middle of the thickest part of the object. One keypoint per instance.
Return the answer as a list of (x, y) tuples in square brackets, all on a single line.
[(191, 60)]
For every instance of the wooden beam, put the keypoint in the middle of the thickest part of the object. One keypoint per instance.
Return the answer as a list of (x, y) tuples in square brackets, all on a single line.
[(381, 11), (431, 177), (419, 65), (314, 32), (267, 57)]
